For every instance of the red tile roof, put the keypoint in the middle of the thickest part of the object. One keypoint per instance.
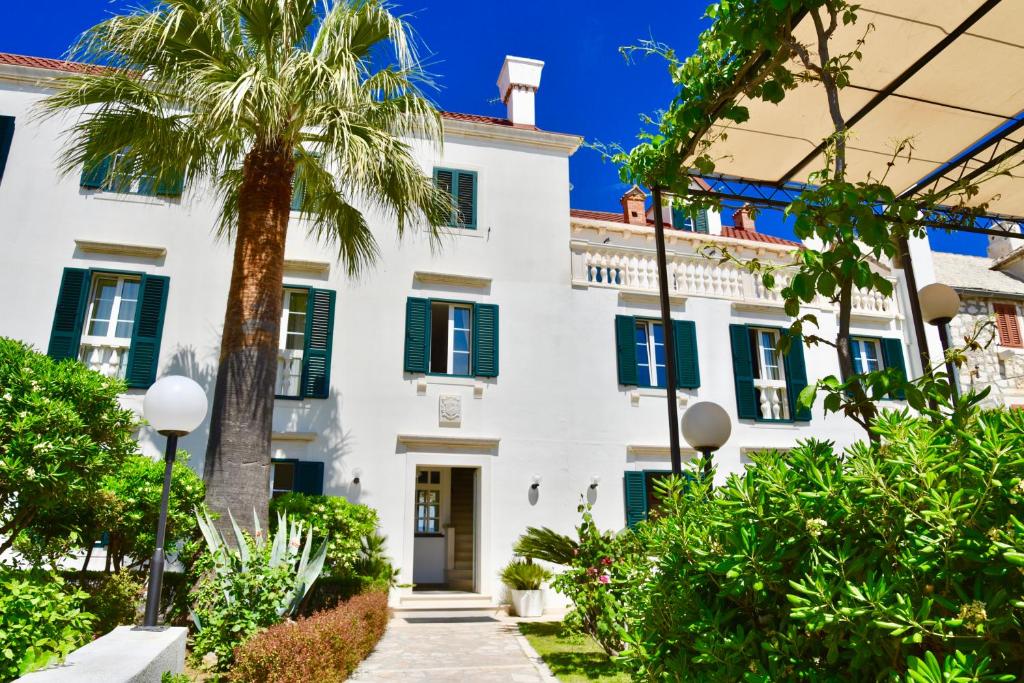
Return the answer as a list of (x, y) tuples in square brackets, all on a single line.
[(727, 231), (47, 63)]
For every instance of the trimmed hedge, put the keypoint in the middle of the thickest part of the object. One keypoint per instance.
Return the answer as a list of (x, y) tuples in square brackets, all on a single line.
[(325, 647)]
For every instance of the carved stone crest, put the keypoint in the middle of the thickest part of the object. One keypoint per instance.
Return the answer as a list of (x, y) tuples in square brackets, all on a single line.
[(449, 410)]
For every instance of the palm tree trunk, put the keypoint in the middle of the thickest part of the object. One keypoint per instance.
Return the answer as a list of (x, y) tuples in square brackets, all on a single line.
[(237, 469)]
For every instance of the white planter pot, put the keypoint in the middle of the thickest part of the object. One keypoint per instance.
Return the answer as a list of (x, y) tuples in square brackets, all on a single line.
[(528, 603)]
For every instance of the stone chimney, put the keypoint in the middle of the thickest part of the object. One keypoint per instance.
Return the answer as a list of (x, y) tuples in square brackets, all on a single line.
[(998, 247), (634, 206), (743, 218), (517, 86)]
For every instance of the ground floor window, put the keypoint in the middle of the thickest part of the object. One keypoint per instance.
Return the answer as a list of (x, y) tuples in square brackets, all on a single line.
[(282, 478), (428, 502)]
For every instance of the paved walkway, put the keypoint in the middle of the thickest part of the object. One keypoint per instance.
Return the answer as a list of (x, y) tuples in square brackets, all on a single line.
[(446, 649)]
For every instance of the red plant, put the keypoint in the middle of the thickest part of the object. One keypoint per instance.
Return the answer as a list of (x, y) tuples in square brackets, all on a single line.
[(325, 647)]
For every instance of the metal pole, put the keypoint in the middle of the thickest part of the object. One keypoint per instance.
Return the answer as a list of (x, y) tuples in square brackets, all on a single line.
[(666, 326), (156, 565), (708, 453), (954, 381)]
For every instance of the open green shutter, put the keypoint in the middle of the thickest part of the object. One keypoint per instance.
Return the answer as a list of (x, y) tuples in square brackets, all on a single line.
[(635, 498), (309, 477), (465, 198), (316, 355), (66, 333), (700, 223), (892, 356), (144, 353), (94, 177), (743, 373), (171, 187), (625, 349), (687, 367), (680, 220), (6, 137), (796, 378), (485, 340), (417, 334)]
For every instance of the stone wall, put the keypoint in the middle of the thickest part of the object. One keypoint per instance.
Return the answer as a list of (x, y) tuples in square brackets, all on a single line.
[(984, 368)]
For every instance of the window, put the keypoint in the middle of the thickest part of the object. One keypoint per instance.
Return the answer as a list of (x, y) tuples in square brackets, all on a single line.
[(6, 138), (867, 355), (767, 382), (282, 478), (641, 495), (292, 342), (689, 221), (288, 475), (1008, 325), (450, 338), (428, 502), (114, 175), (461, 186), (650, 353), (109, 321), (766, 364)]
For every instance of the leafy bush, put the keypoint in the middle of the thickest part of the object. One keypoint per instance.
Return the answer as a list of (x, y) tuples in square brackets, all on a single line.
[(114, 599), (874, 566), (325, 647), (62, 431), (521, 575), (373, 568), (250, 585), (41, 621), (332, 517)]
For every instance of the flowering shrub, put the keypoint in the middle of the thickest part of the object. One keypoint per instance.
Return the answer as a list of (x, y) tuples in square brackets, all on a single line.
[(900, 561), (332, 517), (325, 647)]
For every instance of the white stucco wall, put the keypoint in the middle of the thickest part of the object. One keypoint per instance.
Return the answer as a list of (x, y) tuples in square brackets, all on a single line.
[(556, 409)]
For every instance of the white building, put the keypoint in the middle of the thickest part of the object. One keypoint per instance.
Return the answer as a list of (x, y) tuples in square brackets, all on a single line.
[(465, 395)]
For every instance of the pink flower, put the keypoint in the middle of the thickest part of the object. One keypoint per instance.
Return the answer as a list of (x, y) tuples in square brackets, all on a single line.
[(606, 561), (591, 571), (605, 578)]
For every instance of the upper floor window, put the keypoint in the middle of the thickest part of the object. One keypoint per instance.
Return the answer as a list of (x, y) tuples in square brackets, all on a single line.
[(871, 354), (305, 343), (461, 186), (1008, 325), (767, 381), (6, 138), (111, 321), (690, 221), (451, 338), (650, 353), (111, 175), (640, 350)]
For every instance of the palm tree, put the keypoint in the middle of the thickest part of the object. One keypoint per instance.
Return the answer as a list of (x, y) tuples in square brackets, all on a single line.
[(252, 98)]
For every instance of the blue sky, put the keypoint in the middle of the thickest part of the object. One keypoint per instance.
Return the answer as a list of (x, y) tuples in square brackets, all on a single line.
[(587, 87)]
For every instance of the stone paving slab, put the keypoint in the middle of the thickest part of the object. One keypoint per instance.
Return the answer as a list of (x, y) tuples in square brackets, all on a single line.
[(449, 651)]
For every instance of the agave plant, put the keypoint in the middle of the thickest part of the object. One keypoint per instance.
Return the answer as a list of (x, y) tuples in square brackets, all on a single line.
[(287, 551)]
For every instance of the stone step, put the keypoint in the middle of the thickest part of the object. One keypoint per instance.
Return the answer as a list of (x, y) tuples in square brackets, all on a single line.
[(445, 600)]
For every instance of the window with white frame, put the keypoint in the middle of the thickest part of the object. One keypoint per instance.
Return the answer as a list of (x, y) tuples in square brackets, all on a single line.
[(109, 322), (867, 355), (428, 502), (769, 374), (294, 308), (282, 477), (650, 353), (450, 338)]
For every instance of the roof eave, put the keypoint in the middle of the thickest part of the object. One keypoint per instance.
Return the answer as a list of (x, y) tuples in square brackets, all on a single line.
[(681, 235), (559, 142)]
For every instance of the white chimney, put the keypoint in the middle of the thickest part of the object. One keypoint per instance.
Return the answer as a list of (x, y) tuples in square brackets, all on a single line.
[(517, 86), (998, 247)]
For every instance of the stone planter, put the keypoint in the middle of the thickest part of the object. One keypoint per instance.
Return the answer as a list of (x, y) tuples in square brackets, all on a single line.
[(528, 603)]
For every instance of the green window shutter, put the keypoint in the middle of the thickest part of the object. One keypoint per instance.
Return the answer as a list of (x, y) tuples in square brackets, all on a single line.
[(417, 334), (147, 331), (309, 477), (684, 334), (743, 373), (94, 177), (316, 355), (855, 359), (700, 224), (635, 498), (6, 137), (485, 340), (444, 180), (892, 356), (171, 187), (298, 194), (680, 221), (465, 199), (625, 349), (66, 333), (796, 378)]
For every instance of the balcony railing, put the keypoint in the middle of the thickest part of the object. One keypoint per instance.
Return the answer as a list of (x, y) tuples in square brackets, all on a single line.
[(634, 269), (289, 372), (773, 399), (106, 357)]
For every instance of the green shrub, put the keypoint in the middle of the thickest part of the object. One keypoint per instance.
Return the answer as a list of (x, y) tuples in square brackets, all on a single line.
[(333, 517), (41, 621), (546, 545), (114, 599), (877, 565), (521, 575), (62, 430), (325, 647), (249, 585)]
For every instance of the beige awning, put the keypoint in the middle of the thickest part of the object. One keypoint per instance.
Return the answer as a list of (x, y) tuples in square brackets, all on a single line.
[(944, 73)]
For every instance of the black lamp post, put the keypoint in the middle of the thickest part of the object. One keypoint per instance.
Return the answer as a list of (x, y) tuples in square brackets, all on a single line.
[(174, 406), (939, 304), (706, 427)]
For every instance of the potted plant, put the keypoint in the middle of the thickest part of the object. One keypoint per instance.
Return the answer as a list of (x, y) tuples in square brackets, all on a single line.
[(524, 580)]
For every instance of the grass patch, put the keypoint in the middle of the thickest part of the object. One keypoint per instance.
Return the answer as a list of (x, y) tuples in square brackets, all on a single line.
[(573, 658)]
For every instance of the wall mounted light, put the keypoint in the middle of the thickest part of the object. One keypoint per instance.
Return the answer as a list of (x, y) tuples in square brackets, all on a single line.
[(536, 482), (356, 475), (594, 481)]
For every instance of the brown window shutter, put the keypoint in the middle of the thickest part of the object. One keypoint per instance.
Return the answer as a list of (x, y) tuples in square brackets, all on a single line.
[(1008, 325)]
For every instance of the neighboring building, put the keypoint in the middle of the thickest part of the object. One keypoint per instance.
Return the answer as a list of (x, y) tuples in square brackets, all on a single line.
[(991, 292), (465, 394)]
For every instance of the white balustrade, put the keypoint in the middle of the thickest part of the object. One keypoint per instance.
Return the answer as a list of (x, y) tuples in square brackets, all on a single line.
[(107, 357), (872, 302), (289, 372), (773, 399)]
